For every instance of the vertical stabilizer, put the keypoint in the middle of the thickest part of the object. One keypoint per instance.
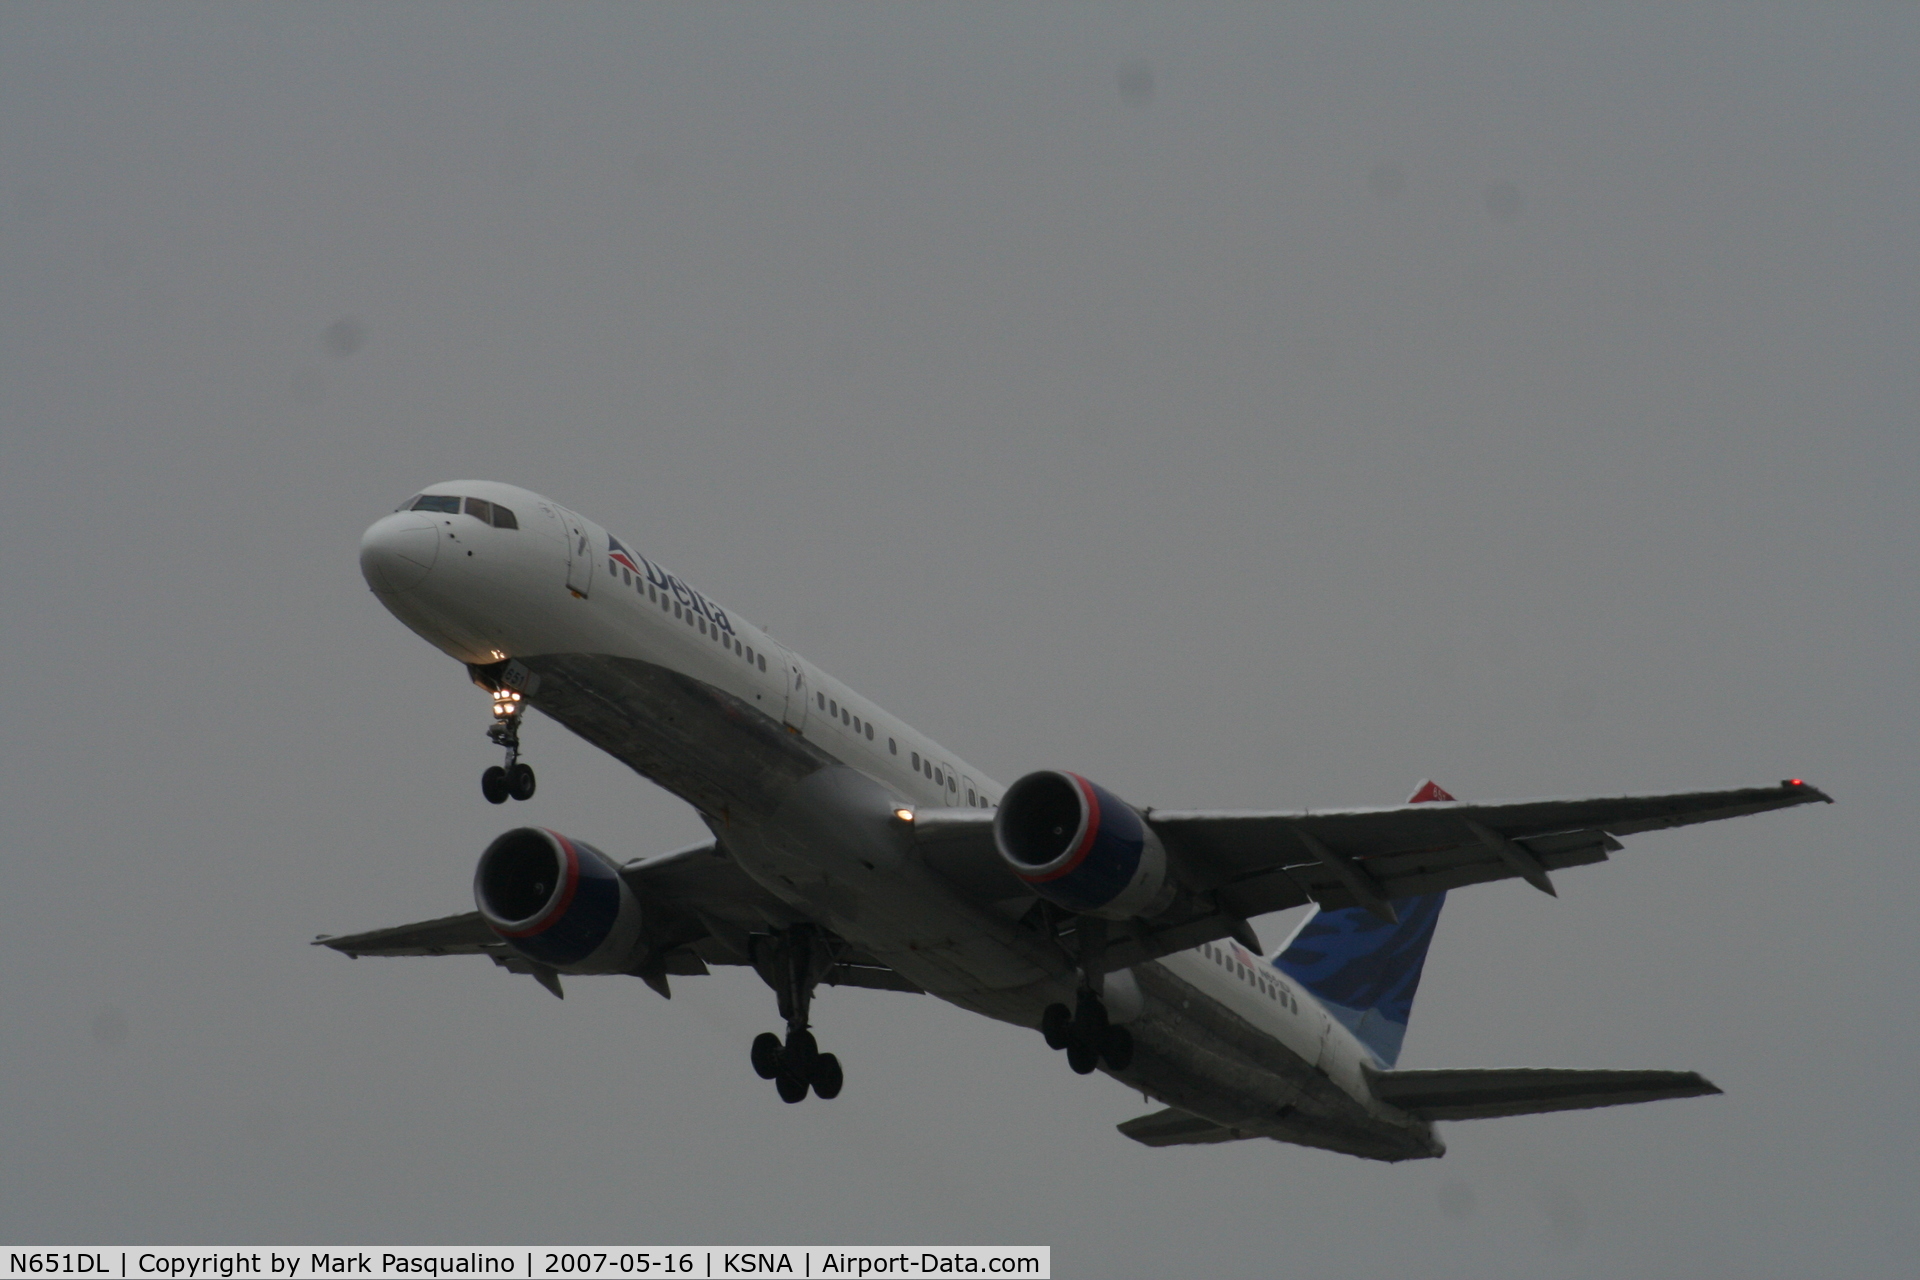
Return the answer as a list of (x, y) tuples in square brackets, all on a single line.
[(1363, 969)]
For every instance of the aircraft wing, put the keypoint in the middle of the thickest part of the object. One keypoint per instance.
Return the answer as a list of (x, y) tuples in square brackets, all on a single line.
[(1526, 1091), (1254, 863), (698, 908), (462, 935), (1237, 864)]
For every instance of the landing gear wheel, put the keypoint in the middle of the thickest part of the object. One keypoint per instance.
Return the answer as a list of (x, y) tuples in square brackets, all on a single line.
[(520, 782), (1083, 1058), (1056, 1024), (798, 1057), (767, 1051), (1116, 1048), (1089, 1018), (493, 784), (825, 1076), (792, 1088)]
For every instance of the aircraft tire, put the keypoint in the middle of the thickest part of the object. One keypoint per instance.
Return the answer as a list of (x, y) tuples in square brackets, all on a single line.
[(797, 1058), (493, 784), (1090, 1018), (521, 782), (825, 1076), (1056, 1025), (767, 1052), (792, 1088), (1116, 1048), (1082, 1058)]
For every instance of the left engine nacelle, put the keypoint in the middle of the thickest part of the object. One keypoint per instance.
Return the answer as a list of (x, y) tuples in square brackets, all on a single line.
[(557, 901), (1081, 847)]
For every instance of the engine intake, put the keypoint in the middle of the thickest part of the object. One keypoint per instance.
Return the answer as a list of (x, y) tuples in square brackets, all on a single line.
[(557, 901), (1081, 847)]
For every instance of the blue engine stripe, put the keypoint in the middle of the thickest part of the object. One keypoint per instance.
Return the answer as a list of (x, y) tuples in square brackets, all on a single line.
[(1109, 866)]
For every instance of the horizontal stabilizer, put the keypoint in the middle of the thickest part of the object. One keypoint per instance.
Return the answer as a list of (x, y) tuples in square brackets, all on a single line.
[(1176, 1128), (1526, 1091)]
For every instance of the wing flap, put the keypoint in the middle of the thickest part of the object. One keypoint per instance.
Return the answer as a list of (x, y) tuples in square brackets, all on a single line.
[(1526, 1091)]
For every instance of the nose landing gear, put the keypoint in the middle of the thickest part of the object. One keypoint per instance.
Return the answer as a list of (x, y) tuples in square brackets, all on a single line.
[(791, 964), (515, 778)]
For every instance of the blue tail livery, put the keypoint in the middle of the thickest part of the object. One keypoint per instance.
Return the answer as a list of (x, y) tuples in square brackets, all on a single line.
[(1364, 970)]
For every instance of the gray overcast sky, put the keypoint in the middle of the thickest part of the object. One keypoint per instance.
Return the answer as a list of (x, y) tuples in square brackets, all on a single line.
[(1242, 406)]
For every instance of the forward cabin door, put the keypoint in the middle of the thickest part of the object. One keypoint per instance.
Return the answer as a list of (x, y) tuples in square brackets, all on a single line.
[(797, 691), (573, 535), (580, 555)]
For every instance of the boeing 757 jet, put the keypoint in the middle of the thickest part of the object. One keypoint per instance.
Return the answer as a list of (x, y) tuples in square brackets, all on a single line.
[(849, 849)]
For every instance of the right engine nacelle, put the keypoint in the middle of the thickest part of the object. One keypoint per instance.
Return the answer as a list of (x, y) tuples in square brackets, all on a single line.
[(558, 902), (1081, 847)]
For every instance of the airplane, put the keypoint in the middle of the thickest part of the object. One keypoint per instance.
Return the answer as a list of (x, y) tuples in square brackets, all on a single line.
[(849, 849)]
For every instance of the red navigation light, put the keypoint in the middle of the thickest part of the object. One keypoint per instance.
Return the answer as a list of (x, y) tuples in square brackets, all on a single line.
[(1795, 782)]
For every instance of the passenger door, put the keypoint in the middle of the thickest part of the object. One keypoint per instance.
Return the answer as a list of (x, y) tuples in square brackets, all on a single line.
[(580, 552), (572, 531), (797, 691)]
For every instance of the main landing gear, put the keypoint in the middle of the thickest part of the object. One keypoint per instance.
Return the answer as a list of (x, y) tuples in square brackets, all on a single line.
[(791, 962), (1084, 1032), (514, 779)]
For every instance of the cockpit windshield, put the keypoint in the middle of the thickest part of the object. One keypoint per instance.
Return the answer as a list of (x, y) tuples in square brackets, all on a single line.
[(479, 508)]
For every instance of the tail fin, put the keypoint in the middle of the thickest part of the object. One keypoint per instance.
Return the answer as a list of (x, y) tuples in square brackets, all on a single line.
[(1364, 970)]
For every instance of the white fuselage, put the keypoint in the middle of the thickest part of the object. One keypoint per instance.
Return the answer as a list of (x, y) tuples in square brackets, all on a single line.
[(799, 777)]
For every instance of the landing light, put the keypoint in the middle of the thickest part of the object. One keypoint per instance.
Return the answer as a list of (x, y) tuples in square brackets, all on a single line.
[(506, 704), (905, 815)]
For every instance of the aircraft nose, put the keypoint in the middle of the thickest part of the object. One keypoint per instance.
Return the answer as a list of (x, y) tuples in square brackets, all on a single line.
[(397, 551)]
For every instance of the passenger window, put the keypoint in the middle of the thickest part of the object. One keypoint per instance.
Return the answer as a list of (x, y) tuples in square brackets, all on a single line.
[(869, 731), (937, 779), (437, 502), (969, 797), (846, 716), (503, 518), (833, 708), (627, 577), (893, 748), (749, 653), (823, 700), (763, 662), (916, 759), (482, 508)]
